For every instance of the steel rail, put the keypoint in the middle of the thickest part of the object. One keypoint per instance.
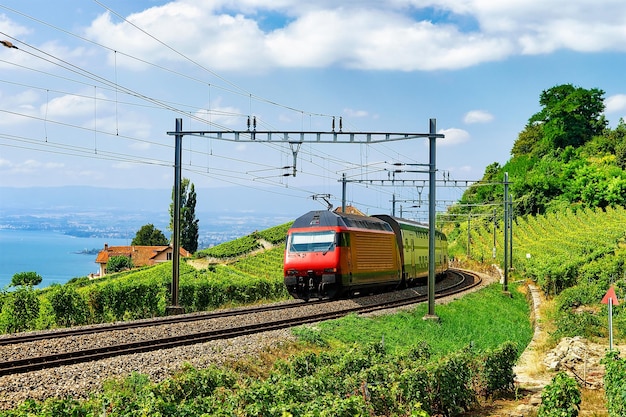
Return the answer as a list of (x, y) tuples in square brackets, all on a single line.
[(77, 331), (88, 355)]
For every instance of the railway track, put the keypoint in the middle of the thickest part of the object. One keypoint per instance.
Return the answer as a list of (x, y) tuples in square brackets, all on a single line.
[(462, 282)]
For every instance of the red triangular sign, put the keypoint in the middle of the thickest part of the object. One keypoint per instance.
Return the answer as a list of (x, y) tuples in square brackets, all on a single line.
[(610, 294)]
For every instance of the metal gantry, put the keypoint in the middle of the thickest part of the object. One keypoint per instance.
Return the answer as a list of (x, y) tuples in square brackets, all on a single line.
[(295, 139)]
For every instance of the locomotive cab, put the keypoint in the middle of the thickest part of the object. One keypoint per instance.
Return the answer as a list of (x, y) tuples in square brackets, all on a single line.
[(312, 263)]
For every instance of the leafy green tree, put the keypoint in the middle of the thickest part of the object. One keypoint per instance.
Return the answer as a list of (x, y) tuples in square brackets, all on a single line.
[(148, 235), (570, 116), (26, 279), (189, 231), (119, 263)]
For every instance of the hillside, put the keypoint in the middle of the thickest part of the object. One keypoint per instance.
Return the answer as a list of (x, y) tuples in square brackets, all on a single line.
[(568, 187), (242, 276), (565, 157)]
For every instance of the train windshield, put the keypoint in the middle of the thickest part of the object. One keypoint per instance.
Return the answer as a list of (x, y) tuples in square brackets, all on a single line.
[(312, 241)]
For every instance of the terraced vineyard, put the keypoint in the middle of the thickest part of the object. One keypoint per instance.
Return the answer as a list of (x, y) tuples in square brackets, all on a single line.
[(558, 250)]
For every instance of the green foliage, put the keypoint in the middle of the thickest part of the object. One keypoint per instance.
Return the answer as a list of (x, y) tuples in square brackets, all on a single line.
[(189, 229), (564, 157), (26, 278), (560, 398), (357, 379), (615, 384), (570, 115), (237, 247), (20, 309), (68, 306), (246, 244), (497, 369), (148, 235), (118, 263), (276, 234)]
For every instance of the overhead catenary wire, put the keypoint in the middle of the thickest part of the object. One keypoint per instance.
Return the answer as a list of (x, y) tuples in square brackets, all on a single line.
[(107, 85)]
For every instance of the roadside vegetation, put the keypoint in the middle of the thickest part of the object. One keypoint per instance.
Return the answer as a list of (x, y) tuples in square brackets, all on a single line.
[(387, 365)]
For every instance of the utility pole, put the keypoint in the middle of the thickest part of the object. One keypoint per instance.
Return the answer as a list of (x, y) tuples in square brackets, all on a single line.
[(343, 193), (432, 186), (174, 308), (469, 238), (505, 284)]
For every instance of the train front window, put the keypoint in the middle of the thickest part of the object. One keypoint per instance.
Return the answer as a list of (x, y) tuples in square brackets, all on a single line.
[(312, 242)]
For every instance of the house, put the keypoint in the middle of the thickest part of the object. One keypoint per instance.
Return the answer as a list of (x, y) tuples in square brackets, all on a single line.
[(140, 255)]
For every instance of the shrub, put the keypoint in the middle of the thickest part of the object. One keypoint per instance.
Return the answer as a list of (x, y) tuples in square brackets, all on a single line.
[(20, 310), (69, 307), (497, 369), (560, 398), (615, 384), (452, 391)]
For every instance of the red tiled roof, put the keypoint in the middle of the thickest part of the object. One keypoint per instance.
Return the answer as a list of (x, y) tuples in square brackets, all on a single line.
[(140, 255)]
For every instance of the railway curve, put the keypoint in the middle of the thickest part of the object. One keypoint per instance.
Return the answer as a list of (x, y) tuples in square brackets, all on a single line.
[(457, 281)]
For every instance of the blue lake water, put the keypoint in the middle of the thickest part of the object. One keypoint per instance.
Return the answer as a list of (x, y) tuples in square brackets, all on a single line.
[(52, 255)]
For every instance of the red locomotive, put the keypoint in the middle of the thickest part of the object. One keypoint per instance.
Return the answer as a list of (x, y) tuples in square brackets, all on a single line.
[(331, 254)]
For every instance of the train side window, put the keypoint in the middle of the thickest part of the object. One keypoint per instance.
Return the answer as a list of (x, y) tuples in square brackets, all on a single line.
[(344, 239)]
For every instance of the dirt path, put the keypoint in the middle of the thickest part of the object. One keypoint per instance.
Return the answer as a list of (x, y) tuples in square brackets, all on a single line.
[(538, 365)]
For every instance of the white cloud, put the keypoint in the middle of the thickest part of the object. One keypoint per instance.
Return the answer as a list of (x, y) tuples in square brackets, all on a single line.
[(355, 113), (477, 116), (363, 35), (29, 166), (73, 105), (453, 137), (615, 103)]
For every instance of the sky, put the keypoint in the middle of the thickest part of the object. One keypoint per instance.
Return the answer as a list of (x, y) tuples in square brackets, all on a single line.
[(92, 88)]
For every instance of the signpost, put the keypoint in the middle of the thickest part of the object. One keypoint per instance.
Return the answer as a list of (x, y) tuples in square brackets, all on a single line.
[(610, 298)]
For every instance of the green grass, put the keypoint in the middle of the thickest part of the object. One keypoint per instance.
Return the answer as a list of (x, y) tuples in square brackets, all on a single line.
[(483, 319)]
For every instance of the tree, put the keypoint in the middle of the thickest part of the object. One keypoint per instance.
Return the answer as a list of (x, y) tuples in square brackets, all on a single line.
[(148, 235), (119, 263), (188, 222), (26, 279), (571, 115)]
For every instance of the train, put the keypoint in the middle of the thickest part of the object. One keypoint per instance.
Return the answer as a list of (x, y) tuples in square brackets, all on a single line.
[(333, 254)]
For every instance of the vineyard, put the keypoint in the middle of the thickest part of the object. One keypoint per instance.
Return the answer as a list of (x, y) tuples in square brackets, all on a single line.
[(573, 256), (246, 244), (246, 278)]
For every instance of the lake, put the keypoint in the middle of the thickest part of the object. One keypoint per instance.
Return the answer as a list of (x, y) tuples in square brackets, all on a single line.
[(53, 255)]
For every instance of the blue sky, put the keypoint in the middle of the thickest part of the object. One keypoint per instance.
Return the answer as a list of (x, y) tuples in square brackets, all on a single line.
[(88, 96)]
